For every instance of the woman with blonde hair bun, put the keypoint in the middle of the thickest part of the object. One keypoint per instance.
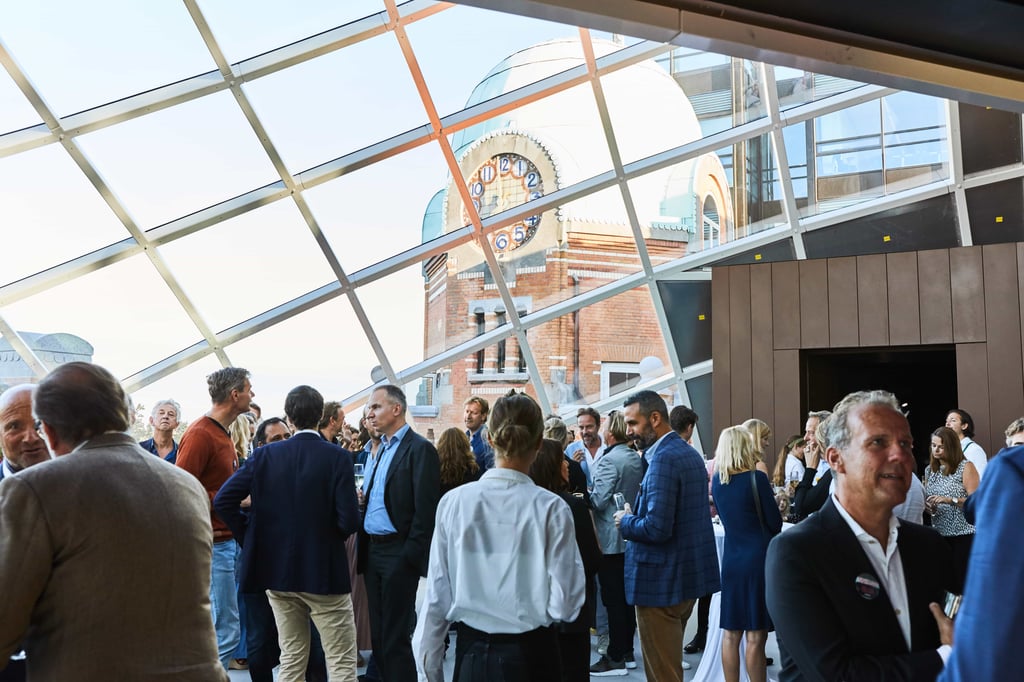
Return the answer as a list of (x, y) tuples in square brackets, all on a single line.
[(504, 565), (761, 434), (751, 519)]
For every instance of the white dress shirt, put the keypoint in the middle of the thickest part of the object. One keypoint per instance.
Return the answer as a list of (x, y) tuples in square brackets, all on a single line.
[(975, 454), (503, 559), (794, 469), (887, 564)]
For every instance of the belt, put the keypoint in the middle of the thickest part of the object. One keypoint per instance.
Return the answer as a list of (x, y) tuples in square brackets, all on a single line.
[(384, 539), (500, 638)]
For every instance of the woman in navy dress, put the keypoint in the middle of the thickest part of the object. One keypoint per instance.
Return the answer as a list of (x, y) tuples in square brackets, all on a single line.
[(739, 490)]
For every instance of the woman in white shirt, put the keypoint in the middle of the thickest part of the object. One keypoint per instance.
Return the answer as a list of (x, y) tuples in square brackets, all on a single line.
[(963, 425), (504, 565)]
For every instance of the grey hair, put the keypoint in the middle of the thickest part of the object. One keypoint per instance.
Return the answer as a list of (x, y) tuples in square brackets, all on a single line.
[(555, 429), (1015, 427), (820, 415), (837, 427), (160, 403)]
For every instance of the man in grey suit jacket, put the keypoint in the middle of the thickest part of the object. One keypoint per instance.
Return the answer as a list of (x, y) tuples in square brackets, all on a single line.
[(105, 550), (852, 589), (618, 470)]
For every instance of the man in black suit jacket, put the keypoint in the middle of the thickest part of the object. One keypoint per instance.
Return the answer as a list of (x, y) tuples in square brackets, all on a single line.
[(293, 539), (400, 495), (852, 589)]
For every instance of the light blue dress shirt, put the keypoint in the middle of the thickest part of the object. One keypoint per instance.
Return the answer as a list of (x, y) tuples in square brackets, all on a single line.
[(377, 521)]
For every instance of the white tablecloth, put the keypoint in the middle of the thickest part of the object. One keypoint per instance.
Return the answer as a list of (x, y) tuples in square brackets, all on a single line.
[(710, 668)]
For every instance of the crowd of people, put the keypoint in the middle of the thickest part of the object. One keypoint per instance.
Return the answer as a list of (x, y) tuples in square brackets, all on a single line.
[(300, 541)]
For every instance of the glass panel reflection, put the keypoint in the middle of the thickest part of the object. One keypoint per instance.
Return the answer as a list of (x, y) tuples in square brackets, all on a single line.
[(796, 86), (237, 269), (125, 311), (52, 221), (326, 107), (82, 54), (492, 55), (179, 160), (400, 206), (336, 368), (15, 111), (246, 28), (188, 387)]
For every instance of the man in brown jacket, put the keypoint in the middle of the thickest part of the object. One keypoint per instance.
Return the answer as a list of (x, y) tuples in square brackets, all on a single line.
[(105, 550)]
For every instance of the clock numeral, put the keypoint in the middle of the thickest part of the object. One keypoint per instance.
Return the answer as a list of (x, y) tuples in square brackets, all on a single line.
[(532, 179), (488, 173), (532, 221), (519, 234), (504, 165), (519, 167), (536, 195), (476, 189), (501, 241)]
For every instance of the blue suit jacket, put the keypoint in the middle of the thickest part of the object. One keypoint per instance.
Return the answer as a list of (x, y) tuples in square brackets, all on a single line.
[(303, 507), (986, 642), (671, 556)]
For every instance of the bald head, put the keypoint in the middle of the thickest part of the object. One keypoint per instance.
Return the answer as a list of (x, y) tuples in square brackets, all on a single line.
[(79, 400), (21, 443)]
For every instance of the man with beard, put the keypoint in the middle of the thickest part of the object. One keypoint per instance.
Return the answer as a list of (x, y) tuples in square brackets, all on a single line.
[(589, 447), (670, 557), (477, 409), (164, 419)]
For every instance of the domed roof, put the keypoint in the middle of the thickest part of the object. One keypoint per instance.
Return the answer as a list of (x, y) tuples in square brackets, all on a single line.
[(641, 98)]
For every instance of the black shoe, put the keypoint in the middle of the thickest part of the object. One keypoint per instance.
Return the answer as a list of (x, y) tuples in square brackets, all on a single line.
[(769, 661), (606, 667), (694, 647)]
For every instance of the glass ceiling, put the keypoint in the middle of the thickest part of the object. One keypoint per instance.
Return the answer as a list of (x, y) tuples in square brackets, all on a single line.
[(187, 185)]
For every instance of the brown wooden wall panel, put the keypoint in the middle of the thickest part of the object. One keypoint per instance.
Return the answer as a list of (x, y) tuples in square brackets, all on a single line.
[(935, 296), (972, 388), (740, 342), (872, 300), (967, 284), (843, 328), (1003, 339), (786, 304), (721, 376), (813, 304), (788, 419), (904, 301), (762, 354)]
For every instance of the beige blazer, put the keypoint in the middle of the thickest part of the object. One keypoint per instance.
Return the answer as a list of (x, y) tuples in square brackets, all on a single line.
[(105, 568)]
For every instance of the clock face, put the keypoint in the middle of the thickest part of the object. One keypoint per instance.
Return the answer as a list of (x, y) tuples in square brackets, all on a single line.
[(504, 182)]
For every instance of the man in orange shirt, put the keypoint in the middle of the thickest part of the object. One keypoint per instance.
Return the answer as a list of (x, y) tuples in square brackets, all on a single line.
[(206, 451)]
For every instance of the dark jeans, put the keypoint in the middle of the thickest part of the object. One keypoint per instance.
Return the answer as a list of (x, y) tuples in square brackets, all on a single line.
[(621, 616), (14, 672), (703, 614), (960, 547), (574, 652), (391, 584), (262, 644), (527, 657)]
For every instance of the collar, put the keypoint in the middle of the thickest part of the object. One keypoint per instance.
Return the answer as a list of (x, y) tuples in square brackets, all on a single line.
[(651, 450), (399, 435), (861, 534), (8, 471), (312, 431), (508, 475)]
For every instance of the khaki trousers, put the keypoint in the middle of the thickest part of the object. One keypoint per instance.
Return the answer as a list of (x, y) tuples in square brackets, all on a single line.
[(332, 615), (661, 639)]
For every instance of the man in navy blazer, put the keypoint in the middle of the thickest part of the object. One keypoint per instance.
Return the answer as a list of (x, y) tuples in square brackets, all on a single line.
[(853, 590), (988, 627), (671, 558), (400, 493), (303, 508)]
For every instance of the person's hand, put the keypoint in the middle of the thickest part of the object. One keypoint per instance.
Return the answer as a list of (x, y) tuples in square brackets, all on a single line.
[(620, 514), (578, 455), (246, 503), (811, 455), (945, 624), (359, 496)]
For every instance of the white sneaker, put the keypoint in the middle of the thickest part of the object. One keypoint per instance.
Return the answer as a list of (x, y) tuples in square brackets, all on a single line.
[(602, 645), (686, 666)]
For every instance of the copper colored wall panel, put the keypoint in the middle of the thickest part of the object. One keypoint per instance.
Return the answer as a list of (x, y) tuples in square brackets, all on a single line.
[(740, 342), (904, 300), (813, 304), (721, 388), (788, 419), (872, 300), (843, 328), (1003, 338), (967, 284), (786, 304), (762, 354), (972, 388), (935, 296)]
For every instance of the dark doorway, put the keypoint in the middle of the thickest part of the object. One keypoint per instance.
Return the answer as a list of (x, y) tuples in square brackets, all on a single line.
[(922, 377)]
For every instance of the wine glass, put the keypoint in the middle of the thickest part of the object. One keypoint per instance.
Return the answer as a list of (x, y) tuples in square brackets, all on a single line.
[(358, 469)]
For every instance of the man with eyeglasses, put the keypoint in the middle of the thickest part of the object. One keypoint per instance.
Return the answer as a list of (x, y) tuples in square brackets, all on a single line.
[(22, 448)]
